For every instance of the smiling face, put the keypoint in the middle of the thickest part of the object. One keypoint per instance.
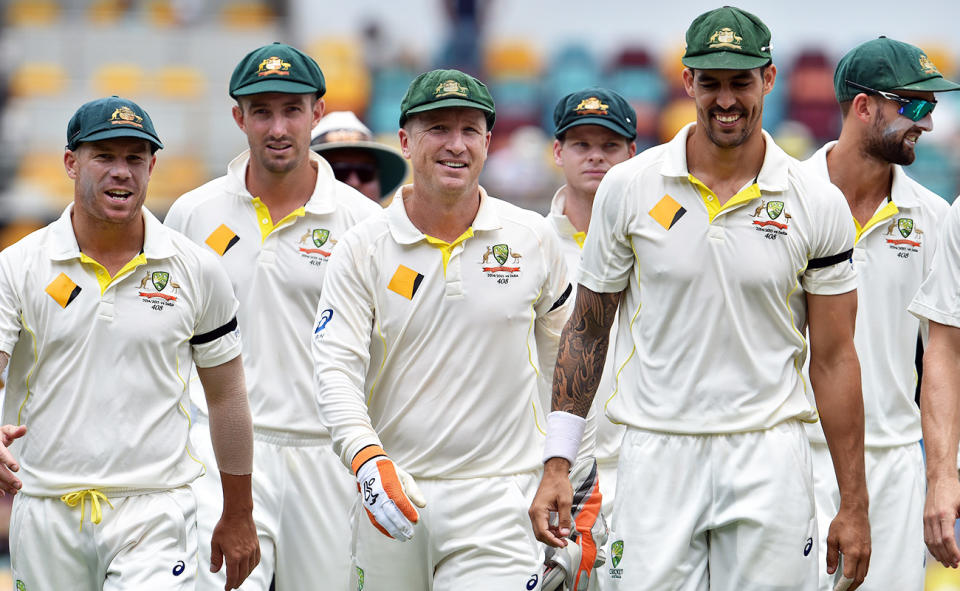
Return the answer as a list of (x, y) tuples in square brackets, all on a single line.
[(278, 128), (110, 179), (586, 154), (446, 148), (729, 102), (893, 137)]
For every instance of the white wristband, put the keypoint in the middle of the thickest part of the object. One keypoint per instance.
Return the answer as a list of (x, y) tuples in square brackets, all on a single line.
[(564, 432)]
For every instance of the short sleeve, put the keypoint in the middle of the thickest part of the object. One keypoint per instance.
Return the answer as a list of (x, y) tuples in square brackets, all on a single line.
[(216, 337), (607, 253), (10, 305), (829, 268), (939, 296)]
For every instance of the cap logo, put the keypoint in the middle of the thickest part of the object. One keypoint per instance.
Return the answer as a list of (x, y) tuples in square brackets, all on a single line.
[(125, 116), (927, 65), (273, 65), (450, 88), (726, 38), (591, 106)]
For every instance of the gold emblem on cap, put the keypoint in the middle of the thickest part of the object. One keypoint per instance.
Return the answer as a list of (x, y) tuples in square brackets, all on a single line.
[(927, 65), (273, 65), (726, 38), (450, 87), (125, 116), (591, 106)]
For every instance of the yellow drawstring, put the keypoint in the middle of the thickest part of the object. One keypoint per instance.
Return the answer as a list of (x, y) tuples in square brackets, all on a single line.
[(80, 498)]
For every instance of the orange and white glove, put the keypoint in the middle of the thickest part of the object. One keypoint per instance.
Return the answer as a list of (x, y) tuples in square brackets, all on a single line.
[(388, 493), (570, 568)]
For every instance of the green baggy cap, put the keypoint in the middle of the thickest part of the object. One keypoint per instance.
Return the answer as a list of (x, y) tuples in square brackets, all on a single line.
[(440, 89), (277, 67), (110, 117), (887, 64), (595, 106), (727, 39)]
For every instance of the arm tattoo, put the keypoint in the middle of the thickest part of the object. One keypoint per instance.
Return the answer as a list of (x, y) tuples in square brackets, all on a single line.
[(583, 350)]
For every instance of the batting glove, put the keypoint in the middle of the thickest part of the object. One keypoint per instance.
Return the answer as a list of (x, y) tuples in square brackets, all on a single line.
[(388, 493), (570, 567)]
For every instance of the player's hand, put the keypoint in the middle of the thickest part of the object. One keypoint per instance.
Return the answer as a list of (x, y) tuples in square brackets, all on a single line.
[(554, 495), (389, 495), (9, 483), (574, 564), (939, 515), (234, 540), (849, 535)]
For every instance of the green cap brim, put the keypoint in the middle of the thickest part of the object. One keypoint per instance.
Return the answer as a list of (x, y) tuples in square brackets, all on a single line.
[(120, 132), (931, 85), (450, 102), (602, 122), (283, 86), (725, 60)]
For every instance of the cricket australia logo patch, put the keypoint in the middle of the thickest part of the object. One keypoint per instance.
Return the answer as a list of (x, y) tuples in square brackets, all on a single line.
[(315, 245), (906, 237), (773, 221), (158, 290), (616, 555), (505, 264)]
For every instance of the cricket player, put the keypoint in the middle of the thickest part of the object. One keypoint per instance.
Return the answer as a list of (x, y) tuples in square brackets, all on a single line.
[(718, 253), (435, 320), (374, 169), (102, 315), (937, 301), (273, 221), (594, 129), (886, 93)]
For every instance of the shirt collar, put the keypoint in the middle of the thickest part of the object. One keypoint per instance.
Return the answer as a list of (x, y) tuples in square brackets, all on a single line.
[(322, 201), (773, 172), (560, 221), (63, 241), (404, 232), (900, 192)]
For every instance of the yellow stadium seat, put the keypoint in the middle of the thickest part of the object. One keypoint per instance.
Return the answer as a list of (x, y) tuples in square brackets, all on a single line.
[(348, 89), (512, 58), (160, 13), (106, 12), (240, 15), (38, 79), (329, 50), (126, 80), (179, 82), (174, 175), (22, 13), (45, 171)]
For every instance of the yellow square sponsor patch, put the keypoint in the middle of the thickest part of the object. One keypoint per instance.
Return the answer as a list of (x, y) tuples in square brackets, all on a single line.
[(222, 239), (667, 212), (405, 282), (63, 290)]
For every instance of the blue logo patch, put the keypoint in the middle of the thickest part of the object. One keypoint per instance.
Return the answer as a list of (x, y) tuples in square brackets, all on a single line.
[(325, 317), (532, 582), (808, 547), (178, 568)]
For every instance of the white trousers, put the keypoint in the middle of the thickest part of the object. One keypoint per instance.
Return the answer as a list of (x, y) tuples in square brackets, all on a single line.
[(302, 499), (146, 542), (732, 512)]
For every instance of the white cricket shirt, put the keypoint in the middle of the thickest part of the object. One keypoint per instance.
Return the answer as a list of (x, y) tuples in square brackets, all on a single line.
[(608, 434), (433, 350), (939, 296), (277, 270), (99, 366), (714, 308), (892, 255)]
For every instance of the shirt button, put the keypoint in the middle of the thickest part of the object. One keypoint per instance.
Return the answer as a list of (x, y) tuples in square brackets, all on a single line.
[(264, 222), (709, 197)]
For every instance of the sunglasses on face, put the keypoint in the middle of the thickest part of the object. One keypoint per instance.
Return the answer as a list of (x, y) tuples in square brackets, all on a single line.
[(913, 109), (342, 171)]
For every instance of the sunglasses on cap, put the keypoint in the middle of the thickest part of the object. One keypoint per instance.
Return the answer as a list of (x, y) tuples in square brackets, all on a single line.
[(365, 172), (913, 109)]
